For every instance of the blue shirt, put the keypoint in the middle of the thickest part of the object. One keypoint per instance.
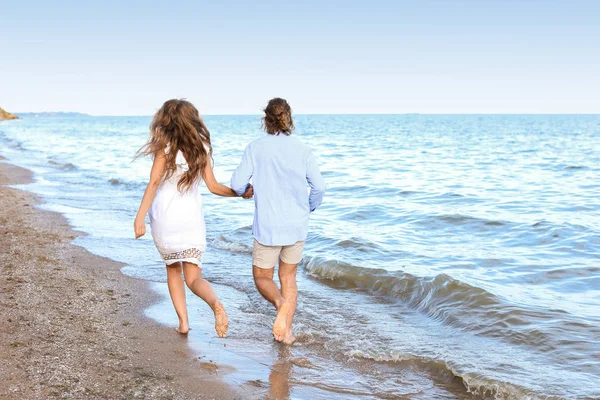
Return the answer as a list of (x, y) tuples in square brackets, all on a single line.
[(281, 168)]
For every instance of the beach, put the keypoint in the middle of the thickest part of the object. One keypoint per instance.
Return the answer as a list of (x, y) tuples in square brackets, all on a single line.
[(454, 256), (73, 324)]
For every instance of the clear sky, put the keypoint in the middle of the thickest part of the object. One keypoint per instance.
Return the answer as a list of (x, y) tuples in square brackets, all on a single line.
[(229, 57)]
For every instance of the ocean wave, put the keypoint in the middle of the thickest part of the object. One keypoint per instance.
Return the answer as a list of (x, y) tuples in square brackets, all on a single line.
[(459, 219), (515, 233), (224, 243), (126, 184), (475, 384), (15, 144), (455, 303), (567, 274), (388, 192), (368, 191), (419, 291), (116, 182), (549, 234), (64, 166), (234, 242), (358, 244), (373, 214)]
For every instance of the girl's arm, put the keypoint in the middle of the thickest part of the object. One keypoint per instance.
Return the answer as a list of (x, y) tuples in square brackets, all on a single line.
[(243, 173), (214, 186), (156, 174)]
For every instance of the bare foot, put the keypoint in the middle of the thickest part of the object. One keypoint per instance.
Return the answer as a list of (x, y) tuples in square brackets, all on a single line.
[(183, 330), (221, 320), (280, 324)]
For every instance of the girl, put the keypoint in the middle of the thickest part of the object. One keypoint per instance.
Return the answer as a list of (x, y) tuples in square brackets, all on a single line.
[(180, 145)]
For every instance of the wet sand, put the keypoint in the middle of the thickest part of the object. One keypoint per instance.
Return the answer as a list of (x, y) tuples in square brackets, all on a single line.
[(73, 324)]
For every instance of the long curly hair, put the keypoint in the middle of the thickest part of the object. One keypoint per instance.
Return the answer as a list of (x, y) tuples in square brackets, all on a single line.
[(177, 124), (278, 117)]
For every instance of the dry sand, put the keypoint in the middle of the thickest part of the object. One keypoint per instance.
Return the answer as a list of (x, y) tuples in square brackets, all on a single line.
[(72, 325)]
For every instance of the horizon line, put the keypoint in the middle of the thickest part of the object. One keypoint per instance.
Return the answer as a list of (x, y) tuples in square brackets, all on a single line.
[(306, 114)]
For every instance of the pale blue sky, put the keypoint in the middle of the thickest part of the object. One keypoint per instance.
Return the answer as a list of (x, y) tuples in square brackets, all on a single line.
[(230, 57)]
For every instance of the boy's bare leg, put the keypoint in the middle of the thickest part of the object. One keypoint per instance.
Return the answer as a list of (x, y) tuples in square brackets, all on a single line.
[(289, 291), (263, 278)]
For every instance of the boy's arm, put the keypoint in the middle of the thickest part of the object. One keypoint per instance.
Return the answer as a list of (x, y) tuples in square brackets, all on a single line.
[(241, 176), (315, 181)]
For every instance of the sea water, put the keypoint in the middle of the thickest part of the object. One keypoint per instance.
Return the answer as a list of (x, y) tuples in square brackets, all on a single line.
[(453, 256)]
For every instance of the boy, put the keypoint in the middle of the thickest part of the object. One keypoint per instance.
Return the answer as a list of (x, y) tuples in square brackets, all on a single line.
[(280, 166)]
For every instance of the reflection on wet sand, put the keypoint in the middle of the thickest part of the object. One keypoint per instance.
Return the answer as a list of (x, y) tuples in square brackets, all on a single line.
[(279, 378)]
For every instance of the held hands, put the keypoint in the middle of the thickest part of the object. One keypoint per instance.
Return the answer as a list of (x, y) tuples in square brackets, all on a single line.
[(139, 226), (249, 193)]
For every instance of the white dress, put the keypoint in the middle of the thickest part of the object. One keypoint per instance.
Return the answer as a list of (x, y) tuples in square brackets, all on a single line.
[(177, 219)]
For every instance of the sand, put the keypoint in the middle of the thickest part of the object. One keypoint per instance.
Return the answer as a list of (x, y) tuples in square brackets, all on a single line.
[(73, 325)]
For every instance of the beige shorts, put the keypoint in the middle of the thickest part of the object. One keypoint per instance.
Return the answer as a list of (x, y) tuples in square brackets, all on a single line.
[(267, 257)]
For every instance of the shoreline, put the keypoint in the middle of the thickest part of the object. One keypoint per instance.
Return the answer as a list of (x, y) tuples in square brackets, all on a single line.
[(392, 300), (73, 324)]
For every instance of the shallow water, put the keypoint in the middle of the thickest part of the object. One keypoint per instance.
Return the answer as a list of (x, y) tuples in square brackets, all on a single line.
[(453, 257)]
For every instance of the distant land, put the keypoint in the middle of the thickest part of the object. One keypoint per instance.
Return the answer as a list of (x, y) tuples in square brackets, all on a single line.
[(6, 115), (50, 114)]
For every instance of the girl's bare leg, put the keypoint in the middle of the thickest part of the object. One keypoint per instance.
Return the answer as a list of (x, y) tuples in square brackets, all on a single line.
[(203, 289), (177, 292)]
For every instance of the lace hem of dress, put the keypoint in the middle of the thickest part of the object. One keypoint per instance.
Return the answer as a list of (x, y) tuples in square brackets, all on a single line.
[(180, 255)]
